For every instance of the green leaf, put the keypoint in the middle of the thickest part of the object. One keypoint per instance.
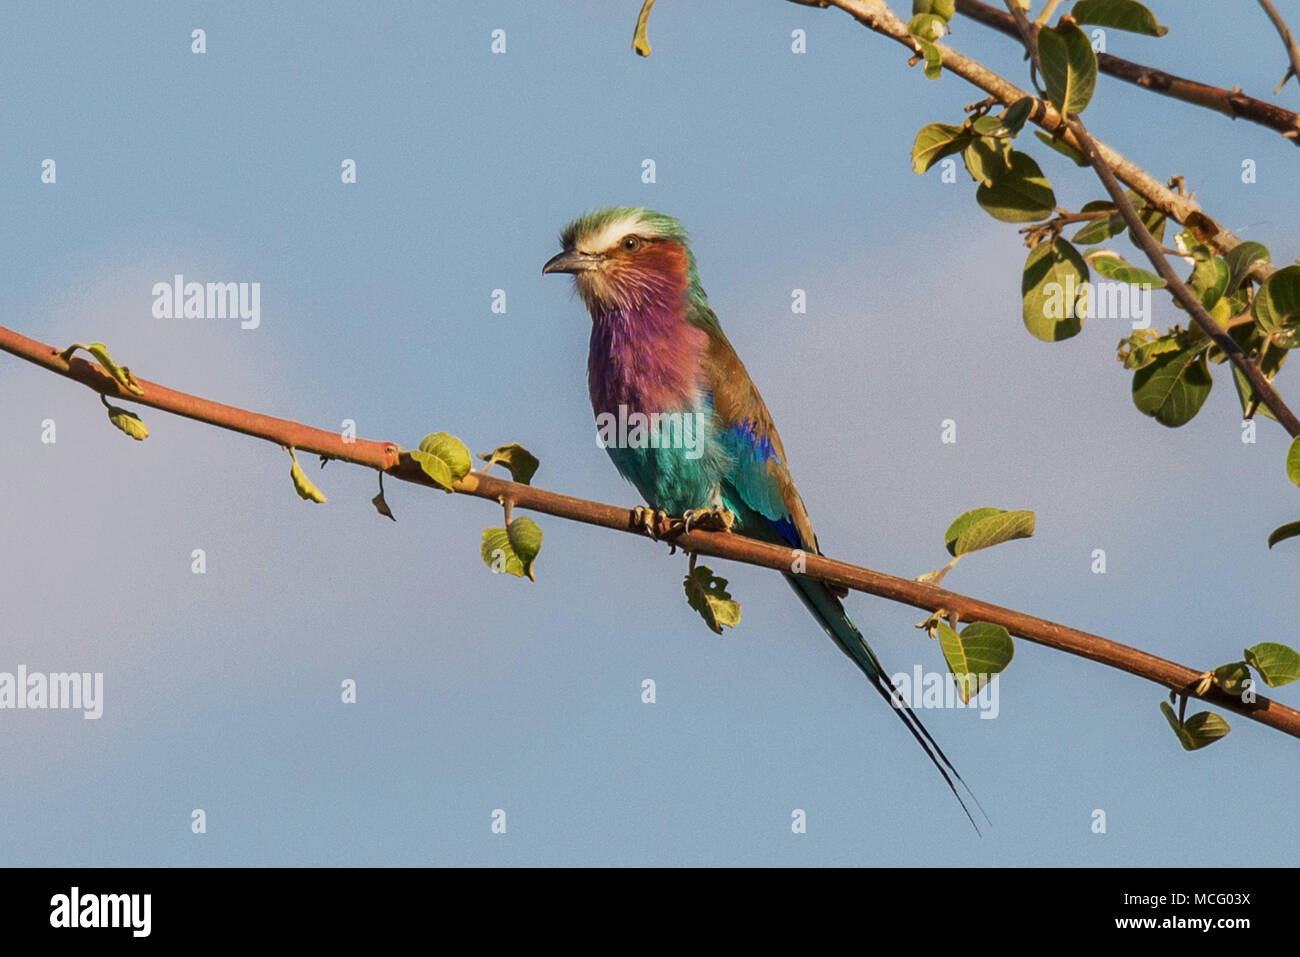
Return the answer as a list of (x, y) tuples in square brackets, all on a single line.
[(512, 550), (1116, 267), (1277, 307), (1120, 14), (1069, 66), (1276, 663), (525, 537), (1274, 357), (1270, 364), (1141, 348), (303, 485), (1221, 311), (964, 521), (1053, 303), (521, 463), (927, 26), (1022, 194), (943, 9), (1015, 115), (1152, 218), (1154, 221), (708, 595), (1008, 123), (1063, 148), (1239, 301), (1173, 387), (1283, 532), (1232, 678), (1103, 227), (1293, 461), (120, 373), (498, 554), (975, 656), (1204, 728), (987, 158), (1240, 259), (1209, 280), (990, 125), (128, 422), (933, 58), (935, 141), (1200, 730), (986, 527), (444, 458)]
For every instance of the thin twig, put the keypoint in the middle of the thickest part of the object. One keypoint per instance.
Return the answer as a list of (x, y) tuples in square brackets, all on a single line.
[(1260, 385), (1034, 233), (390, 458), (1262, 388), (1046, 13), (1027, 29), (1231, 103), (1063, 219), (1292, 51), (876, 16)]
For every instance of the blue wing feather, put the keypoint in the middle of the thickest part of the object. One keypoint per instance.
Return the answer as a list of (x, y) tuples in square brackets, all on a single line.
[(758, 479)]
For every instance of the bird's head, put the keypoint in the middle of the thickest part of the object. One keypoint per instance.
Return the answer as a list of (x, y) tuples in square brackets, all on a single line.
[(625, 257)]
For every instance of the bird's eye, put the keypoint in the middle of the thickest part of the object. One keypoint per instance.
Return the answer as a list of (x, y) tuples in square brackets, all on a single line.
[(631, 243)]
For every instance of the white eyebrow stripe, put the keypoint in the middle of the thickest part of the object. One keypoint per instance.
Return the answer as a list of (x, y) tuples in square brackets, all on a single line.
[(611, 234)]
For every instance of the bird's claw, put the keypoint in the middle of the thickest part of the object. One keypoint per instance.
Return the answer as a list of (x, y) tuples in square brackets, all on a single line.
[(656, 523), (715, 519), (649, 520)]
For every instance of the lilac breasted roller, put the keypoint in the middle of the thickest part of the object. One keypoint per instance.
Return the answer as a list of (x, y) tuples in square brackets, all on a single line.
[(657, 348)]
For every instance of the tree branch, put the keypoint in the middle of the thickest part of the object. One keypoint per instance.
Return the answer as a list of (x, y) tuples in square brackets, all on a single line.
[(1261, 386), (389, 458), (1292, 51), (1231, 103), (875, 15)]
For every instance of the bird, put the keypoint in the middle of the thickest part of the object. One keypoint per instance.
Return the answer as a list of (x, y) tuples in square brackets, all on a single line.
[(657, 348)]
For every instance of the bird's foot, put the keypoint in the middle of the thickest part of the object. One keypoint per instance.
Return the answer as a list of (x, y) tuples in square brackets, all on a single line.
[(649, 520), (715, 519)]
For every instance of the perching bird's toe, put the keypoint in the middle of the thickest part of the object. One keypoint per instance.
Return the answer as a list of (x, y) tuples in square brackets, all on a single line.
[(715, 519), (649, 520)]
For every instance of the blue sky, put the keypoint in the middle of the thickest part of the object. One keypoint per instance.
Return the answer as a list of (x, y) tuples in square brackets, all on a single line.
[(477, 692)]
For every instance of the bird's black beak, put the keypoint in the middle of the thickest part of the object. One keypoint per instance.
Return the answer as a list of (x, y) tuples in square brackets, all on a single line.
[(571, 261)]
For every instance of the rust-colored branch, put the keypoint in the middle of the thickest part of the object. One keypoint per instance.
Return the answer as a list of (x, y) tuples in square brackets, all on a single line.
[(1231, 103), (388, 457)]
